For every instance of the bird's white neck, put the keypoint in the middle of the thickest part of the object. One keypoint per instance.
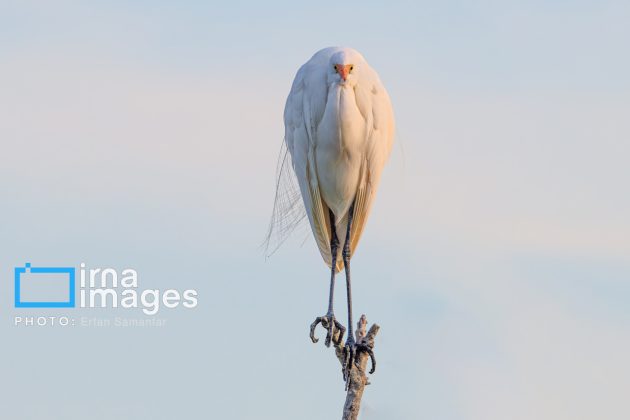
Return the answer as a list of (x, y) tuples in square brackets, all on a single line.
[(343, 124)]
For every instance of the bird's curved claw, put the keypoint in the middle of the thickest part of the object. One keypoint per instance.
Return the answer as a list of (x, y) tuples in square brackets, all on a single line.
[(351, 352), (366, 348), (329, 322)]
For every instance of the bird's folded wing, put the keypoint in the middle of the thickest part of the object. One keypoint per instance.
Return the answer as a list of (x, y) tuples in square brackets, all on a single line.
[(320, 222), (303, 111), (380, 118)]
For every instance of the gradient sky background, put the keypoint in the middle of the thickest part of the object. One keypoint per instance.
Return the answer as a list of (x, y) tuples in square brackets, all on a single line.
[(497, 258)]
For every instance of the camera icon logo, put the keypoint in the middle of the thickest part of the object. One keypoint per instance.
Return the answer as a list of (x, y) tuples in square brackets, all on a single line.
[(44, 287)]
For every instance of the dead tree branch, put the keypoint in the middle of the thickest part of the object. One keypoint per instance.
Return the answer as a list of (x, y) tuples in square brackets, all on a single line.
[(357, 378)]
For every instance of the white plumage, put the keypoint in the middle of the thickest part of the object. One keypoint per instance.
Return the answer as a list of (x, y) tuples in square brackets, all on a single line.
[(339, 134)]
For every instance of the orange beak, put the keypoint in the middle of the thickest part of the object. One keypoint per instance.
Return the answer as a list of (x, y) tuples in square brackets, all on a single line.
[(343, 70)]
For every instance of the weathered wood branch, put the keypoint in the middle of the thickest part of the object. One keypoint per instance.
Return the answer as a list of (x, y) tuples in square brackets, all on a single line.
[(357, 378)]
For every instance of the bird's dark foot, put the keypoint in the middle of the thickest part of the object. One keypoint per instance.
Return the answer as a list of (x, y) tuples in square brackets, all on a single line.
[(349, 356), (335, 330), (351, 352)]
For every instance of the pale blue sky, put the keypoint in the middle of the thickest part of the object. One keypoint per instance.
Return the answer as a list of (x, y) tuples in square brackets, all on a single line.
[(496, 260)]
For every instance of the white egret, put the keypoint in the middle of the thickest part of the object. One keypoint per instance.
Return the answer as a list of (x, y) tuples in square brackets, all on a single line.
[(339, 131)]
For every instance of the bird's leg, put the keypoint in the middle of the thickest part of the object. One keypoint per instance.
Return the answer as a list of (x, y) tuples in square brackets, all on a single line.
[(353, 347), (328, 321), (350, 347)]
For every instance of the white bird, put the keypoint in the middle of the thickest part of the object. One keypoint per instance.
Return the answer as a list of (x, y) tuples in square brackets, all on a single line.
[(339, 131)]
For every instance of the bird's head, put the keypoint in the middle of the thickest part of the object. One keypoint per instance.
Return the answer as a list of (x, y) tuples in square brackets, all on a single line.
[(344, 66)]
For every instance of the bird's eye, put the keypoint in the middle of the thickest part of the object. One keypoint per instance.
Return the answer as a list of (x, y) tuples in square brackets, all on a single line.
[(351, 68)]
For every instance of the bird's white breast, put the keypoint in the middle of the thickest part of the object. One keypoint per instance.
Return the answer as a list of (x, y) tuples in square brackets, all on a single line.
[(340, 149)]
